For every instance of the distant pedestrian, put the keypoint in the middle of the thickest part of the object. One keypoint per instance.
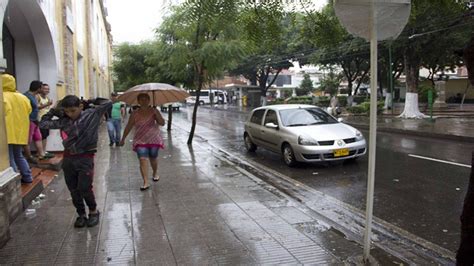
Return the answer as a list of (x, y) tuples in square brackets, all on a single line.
[(17, 109), (35, 133), (147, 140), (80, 132), (44, 105), (114, 117)]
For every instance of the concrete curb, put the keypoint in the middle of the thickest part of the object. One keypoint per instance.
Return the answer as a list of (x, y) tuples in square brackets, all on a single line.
[(389, 129), (415, 133)]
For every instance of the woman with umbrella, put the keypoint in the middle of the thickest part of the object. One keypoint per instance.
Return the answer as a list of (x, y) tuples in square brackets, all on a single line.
[(147, 140)]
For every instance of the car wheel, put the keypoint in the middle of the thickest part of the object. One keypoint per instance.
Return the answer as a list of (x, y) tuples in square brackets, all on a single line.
[(249, 145), (201, 103), (289, 155)]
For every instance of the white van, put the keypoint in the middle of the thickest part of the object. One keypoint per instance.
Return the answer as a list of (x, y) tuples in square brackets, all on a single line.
[(219, 97)]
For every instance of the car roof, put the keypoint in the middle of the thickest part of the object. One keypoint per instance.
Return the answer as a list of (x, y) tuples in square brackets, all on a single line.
[(278, 107)]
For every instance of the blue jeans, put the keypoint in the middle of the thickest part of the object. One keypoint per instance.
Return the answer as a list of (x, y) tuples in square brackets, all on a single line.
[(143, 152), (18, 162), (114, 126)]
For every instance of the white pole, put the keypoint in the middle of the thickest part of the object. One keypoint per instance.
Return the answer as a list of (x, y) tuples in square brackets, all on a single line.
[(373, 132)]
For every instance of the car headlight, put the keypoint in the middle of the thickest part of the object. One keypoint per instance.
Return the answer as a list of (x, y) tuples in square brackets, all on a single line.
[(359, 136), (307, 141)]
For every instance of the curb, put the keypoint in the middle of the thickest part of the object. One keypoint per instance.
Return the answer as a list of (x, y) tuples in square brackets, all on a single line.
[(415, 133), (389, 129)]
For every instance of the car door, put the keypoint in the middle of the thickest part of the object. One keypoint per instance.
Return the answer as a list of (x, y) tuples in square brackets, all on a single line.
[(270, 134), (254, 126)]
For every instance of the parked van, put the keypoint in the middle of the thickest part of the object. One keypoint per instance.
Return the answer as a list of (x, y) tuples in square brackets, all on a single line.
[(217, 96)]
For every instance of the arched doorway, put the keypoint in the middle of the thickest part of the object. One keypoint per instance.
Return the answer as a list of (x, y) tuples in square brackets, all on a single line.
[(28, 45)]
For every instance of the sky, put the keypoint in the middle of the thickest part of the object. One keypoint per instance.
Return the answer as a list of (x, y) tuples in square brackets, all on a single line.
[(134, 21)]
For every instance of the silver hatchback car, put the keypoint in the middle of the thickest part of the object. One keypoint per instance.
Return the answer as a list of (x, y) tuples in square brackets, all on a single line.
[(302, 133)]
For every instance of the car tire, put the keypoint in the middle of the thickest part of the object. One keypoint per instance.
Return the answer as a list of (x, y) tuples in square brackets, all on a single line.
[(289, 155), (201, 103), (249, 145)]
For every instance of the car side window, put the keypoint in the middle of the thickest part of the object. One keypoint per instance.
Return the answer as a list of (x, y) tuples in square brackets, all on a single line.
[(257, 117), (271, 117)]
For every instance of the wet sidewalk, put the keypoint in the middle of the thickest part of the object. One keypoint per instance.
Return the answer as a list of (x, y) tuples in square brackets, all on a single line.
[(204, 210), (451, 123)]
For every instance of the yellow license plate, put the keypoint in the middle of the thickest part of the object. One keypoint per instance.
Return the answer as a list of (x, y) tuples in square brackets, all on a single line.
[(341, 152)]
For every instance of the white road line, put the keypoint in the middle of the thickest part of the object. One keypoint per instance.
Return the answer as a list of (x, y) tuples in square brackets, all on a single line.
[(440, 161)]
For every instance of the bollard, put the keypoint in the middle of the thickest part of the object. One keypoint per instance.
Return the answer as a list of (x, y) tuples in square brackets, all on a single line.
[(465, 254)]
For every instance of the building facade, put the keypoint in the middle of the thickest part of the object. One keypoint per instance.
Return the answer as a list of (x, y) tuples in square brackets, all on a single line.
[(64, 43)]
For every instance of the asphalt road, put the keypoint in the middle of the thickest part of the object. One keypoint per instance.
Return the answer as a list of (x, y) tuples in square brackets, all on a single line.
[(420, 182)]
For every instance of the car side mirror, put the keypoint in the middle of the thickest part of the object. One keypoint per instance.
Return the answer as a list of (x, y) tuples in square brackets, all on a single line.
[(271, 125), (340, 120)]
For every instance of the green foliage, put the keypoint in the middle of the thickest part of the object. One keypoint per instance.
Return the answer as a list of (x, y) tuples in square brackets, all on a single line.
[(423, 93), (323, 101), (306, 85), (364, 108), (329, 83), (130, 65), (265, 30), (433, 43)]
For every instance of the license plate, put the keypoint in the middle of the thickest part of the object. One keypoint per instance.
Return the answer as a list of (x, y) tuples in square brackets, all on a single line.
[(341, 152)]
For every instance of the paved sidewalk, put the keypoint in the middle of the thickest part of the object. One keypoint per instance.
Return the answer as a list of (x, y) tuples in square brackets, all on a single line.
[(459, 127), (204, 210)]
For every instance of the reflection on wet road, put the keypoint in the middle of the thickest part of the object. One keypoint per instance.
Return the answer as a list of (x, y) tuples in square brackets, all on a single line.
[(421, 196)]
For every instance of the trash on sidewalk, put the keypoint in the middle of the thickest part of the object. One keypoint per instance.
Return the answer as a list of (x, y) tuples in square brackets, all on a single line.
[(42, 196)]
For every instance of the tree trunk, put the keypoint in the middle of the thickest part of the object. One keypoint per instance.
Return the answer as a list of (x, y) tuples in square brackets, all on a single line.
[(468, 56), (196, 104), (412, 71), (465, 254)]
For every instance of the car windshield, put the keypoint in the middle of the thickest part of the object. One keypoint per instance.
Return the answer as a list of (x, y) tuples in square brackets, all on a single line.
[(305, 117)]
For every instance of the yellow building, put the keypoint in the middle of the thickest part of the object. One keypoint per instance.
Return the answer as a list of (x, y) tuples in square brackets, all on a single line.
[(65, 43)]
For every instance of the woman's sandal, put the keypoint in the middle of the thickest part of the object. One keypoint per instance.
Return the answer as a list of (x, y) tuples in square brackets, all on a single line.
[(156, 178), (143, 188)]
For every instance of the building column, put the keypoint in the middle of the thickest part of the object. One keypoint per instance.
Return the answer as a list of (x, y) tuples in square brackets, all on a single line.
[(10, 199)]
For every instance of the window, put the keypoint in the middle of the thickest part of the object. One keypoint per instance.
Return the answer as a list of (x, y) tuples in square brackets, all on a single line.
[(257, 117), (305, 117), (271, 117)]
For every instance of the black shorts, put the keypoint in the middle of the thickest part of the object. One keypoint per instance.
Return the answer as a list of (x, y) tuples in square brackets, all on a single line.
[(44, 133)]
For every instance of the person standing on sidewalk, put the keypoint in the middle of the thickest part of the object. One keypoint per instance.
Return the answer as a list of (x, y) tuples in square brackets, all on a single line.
[(80, 131), (44, 105), (147, 140), (35, 134), (114, 120), (17, 110)]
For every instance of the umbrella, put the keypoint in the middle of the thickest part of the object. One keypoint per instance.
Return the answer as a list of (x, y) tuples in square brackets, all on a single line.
[(160, 93)]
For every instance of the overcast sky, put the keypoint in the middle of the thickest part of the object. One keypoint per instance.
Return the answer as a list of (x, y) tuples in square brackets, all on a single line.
[(134, 21)]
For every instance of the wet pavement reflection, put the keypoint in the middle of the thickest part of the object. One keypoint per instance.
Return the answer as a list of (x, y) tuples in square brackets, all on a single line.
[(420, 196), (203, 210)]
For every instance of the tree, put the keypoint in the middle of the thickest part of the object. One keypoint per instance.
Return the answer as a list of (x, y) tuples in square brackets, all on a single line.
[(130, 65), (306, 85), (330, 82), (263, 29), (422, 47), (336, 47), (201, 43)]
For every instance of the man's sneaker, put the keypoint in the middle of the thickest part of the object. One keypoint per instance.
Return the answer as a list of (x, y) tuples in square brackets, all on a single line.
[(111, 144), (93, 219), (81, 221)]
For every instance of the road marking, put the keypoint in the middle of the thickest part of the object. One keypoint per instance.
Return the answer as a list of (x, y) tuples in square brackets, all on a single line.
[(440, 161)]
